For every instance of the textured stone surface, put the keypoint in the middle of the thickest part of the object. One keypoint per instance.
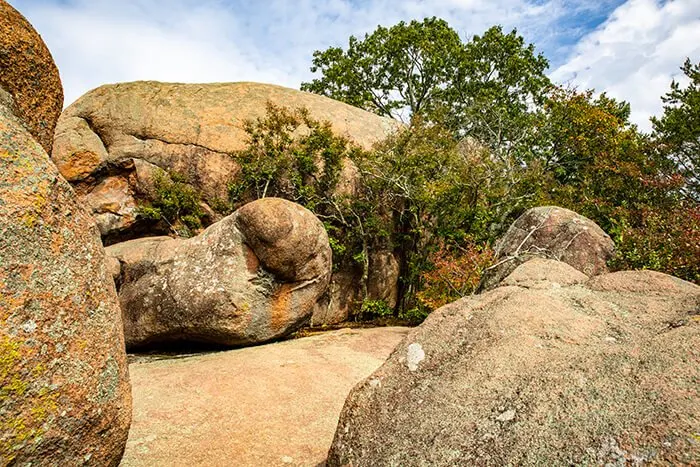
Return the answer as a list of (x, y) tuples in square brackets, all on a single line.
[(269, 405), (64, 388), (29, 74), (252, 277), (192, 129), (550, 232), (600, 373), (112, 204), (344, 294), (341, 298), (383, 283), (544, 273)]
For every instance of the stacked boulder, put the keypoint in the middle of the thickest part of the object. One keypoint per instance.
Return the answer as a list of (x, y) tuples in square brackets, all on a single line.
[(110, 141), (554, 233), (64, 389), (115, 140)]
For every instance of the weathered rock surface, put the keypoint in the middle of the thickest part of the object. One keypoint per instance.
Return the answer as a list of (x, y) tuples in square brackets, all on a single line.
[(344, 294), (544, 273), (64, 388), (192, 129), (550, 232), (250, 278), (276, 404), (29, 74), (114, 141), (599, 373)]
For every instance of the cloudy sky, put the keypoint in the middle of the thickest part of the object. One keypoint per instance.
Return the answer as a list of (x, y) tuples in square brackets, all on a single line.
[(629, 48)]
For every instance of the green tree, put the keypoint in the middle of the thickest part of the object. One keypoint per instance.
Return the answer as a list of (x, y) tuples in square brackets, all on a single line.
[(488, 92), (678, 129), (438, 190), (601, 166), (498, 89), (487, 88), (394, 72)]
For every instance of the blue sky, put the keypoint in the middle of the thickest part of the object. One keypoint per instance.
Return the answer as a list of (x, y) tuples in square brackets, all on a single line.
[(628, 48)]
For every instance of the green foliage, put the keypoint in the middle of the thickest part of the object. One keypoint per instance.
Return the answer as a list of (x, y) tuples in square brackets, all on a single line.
[(375, 309), (678, 129), (176, 203), (438, 189), (488, 88), (414, 315), (665, 240), (489, 137), (603, 168), (291, 156), (392, 72), (497, 93)]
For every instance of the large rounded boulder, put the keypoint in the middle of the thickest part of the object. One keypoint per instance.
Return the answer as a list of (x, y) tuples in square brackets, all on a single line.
[(252, 277), (124, 131), (554, 233), (601, 372), (29, 74), (64, 388)]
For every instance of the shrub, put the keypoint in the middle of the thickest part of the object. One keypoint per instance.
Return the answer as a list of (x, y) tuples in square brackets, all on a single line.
[(375, 309), (454, 273), (665, 240), (176, 203)]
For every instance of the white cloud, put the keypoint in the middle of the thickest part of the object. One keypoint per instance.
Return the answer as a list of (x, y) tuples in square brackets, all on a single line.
[(632, 55), (636, 53)]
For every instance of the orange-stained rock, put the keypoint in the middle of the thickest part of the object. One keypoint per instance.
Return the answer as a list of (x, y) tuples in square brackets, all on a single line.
[(554, 233), (113, 204), (143, 129), (29, 74), (252, 277), (64, 388)]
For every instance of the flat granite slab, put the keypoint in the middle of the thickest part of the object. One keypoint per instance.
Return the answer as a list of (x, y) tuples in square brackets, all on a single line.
[(276, 404)]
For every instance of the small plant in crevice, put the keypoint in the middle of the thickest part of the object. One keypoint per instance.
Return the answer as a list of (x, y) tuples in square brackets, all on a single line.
[(176, 203), (372, 309)]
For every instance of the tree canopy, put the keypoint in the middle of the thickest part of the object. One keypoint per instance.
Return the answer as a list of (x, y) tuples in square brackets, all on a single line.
[(394, 72), (488, 136), (678, 129)]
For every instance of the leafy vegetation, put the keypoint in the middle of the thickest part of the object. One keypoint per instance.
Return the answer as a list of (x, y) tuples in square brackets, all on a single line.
[(176, 203), (454, 272), (487, 136), (490, 136), (678, 129), (292, 156)]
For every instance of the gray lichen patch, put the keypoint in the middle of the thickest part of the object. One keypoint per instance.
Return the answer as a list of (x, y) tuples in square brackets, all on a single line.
[(414, 355)]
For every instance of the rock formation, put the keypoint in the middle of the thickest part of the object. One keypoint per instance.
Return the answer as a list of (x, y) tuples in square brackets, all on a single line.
[(191, 129), (547, 370), (114, 141), (252, 277), (64, 390), (344, 294), (29, 74), (550, 232)]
